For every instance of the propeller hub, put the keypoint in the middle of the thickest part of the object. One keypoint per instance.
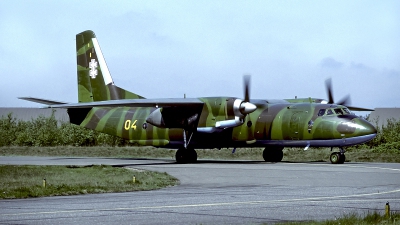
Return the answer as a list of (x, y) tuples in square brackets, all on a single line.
[(247, 107)]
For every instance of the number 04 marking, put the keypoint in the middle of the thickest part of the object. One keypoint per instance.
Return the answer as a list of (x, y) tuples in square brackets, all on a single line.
[(130, 125)]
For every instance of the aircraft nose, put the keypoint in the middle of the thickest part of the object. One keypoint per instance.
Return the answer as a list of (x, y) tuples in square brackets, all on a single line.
[(366, 127), (357, 127)]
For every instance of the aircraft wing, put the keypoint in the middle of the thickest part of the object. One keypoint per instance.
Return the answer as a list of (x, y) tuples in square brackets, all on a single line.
[(162, 102)]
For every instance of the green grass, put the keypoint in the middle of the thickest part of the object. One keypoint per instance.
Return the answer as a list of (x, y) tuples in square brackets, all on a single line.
[(27, 181), (352, 155), (290, 154), (354, 219)]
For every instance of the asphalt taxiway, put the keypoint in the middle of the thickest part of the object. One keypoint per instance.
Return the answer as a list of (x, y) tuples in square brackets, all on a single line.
[(217, 192)]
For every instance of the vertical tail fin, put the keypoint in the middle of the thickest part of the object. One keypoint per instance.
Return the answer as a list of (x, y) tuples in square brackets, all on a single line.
[(94, 80)]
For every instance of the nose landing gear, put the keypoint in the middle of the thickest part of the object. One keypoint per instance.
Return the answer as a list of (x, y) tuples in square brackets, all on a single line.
[(338, 157)]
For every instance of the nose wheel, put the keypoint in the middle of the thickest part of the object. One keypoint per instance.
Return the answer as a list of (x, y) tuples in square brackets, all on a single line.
[(338, 157)]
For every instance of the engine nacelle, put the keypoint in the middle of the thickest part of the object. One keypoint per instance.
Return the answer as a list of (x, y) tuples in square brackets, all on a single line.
[(239, 108), (236, 110), (173, 117)]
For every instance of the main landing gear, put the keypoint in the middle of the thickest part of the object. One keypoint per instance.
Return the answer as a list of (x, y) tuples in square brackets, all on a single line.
[(186, 155), (338, 157), (273, 154)]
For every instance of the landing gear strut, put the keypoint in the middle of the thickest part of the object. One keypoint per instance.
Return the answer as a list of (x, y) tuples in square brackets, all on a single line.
[(186, 154), (338, 157), (273, 154)]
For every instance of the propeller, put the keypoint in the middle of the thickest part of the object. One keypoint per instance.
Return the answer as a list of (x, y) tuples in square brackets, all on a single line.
[(246, 82), (246, 107), (238, 109), (344, 101)]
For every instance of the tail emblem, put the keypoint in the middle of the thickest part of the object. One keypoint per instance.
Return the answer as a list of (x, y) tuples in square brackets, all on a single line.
[(93, 68)]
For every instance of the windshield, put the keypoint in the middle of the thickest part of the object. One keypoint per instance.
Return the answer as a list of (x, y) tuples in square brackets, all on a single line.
[(334, 111)]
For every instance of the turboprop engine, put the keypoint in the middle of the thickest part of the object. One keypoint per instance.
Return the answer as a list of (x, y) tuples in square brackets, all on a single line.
[(236, 110)]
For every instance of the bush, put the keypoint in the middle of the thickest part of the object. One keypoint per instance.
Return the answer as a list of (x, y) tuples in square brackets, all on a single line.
[(39, 132), (8, 130), (387, 138), (44, 131)]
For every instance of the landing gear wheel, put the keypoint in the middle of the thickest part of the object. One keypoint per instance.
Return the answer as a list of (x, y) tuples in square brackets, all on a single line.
[(273, 154), (180, 155), (183, 155), (342, 158), (192, 155), (337, 158)]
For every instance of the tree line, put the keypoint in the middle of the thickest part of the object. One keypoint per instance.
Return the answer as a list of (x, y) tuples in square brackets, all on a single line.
[(47, 131)]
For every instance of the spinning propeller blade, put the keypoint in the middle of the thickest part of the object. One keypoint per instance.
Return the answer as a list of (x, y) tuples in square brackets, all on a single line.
[(246, 82), (344, 101)]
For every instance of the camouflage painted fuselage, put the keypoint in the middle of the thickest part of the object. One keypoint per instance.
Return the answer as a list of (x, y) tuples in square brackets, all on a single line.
[(283, 124)]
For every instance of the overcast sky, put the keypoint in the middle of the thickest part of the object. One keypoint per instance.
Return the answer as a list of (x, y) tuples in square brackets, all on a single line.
[(165, 49)]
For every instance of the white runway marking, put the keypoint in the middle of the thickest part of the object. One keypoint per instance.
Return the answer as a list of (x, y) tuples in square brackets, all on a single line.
[(312, 199)]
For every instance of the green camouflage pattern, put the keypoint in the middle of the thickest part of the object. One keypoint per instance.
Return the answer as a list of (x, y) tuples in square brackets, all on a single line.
[(95, 89), (269, 122), (291, 122)]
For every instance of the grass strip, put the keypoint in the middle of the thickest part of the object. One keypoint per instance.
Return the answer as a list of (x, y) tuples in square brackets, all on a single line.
[(27, 181), (290, 154), (353, 219)]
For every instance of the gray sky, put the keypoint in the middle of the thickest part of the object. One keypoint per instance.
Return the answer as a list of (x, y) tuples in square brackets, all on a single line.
[(162, 49)]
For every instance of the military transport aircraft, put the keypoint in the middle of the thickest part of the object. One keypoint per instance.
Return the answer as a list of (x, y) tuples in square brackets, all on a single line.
[(209, 122)]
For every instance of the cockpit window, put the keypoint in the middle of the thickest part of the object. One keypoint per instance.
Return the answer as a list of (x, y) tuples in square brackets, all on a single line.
[(334, 111), (346, 111), (321, 112), (338, 111)]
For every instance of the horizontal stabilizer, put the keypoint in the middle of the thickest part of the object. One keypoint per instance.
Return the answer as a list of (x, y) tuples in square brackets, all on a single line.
[(42, 101)]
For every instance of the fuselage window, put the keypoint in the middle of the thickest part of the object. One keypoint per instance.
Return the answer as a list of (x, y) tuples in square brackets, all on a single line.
[(321, 112)]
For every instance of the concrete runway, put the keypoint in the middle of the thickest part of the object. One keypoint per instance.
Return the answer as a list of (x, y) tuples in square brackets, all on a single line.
[(218, 192)]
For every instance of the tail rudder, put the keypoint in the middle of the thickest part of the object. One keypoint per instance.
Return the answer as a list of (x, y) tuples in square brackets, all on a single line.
[(94, 79)]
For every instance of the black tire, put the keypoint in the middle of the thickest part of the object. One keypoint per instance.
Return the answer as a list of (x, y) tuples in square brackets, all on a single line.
[(273, 154), (180, 155), (192, 155), (266, 155), (183, 155), (342, 158), (278, 155)]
